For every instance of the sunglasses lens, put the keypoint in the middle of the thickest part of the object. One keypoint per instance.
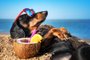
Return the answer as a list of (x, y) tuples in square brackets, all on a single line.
[(29, 12)]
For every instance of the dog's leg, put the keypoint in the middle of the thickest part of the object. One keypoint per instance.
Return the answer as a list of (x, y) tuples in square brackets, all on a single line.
[(48, 37), (58, 33), (65, 32), (55, 32)]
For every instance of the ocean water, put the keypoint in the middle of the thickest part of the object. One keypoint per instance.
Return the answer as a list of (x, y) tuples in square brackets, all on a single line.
[(79, 28)]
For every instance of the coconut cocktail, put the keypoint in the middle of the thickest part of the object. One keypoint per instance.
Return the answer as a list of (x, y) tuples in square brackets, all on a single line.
[(27, 47)]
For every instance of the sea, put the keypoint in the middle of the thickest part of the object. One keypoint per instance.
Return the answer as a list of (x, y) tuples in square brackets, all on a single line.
[(77, 27)]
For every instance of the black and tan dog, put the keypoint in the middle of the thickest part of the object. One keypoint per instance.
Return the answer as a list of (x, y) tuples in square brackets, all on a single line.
[(55, 39), (24, 25)]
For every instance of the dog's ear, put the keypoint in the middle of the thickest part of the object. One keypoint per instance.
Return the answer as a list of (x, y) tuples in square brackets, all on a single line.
[(24, 20), (24, 24)]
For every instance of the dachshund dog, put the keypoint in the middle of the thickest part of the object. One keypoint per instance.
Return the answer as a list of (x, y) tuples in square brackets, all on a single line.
[(26, 24), (55, 40)]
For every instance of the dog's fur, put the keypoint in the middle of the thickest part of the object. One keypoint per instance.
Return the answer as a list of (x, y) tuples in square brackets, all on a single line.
[(56, 40), (25, 24), (53, 37), (82, 53)]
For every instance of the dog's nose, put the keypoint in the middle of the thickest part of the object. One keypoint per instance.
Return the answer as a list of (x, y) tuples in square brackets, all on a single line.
[(45, 12)]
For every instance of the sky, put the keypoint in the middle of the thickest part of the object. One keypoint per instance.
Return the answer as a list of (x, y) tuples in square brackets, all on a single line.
[(57, 9)]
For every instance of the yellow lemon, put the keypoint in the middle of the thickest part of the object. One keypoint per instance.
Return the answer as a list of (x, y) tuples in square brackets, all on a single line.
[(36, 38)]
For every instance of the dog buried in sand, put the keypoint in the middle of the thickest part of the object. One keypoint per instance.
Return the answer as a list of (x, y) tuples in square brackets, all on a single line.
[(56, 41)]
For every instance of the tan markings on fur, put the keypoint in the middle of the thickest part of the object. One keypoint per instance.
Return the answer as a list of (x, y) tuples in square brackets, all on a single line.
[(61, 34), (63, 30), (51, 33), (39, 16), (66, 36), (55, 32), (33, 24)]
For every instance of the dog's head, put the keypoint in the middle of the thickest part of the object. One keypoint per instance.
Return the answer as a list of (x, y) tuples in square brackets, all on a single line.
[(32, 22), (37, 19)]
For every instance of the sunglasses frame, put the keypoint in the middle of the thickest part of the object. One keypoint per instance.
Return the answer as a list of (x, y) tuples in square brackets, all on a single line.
[(25, 10)]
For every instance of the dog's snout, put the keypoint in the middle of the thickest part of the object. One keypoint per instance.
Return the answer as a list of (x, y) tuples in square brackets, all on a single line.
[(45, 12)]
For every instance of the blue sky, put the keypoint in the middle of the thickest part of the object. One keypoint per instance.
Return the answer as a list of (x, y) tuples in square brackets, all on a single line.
[(58, 9)]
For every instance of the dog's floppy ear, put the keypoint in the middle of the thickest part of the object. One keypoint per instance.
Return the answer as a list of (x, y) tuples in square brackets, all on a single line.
[(24, 24), (24, 20)]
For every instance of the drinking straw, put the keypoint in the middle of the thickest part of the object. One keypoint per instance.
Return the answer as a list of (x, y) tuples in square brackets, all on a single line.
[(33, 33)]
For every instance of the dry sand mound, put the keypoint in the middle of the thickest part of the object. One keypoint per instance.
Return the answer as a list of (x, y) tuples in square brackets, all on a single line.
[(7, 53)]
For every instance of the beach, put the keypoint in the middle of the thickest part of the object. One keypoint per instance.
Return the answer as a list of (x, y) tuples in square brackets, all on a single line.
[(75, 27), (7, 53)]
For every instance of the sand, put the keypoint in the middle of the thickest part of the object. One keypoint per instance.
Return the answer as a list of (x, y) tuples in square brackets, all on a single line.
[(7, 53)]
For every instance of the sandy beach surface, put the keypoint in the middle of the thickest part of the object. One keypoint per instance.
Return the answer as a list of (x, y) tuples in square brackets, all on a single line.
[(7, 53)]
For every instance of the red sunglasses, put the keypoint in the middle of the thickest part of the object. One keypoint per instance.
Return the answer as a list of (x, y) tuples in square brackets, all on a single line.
[(28, 11)]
